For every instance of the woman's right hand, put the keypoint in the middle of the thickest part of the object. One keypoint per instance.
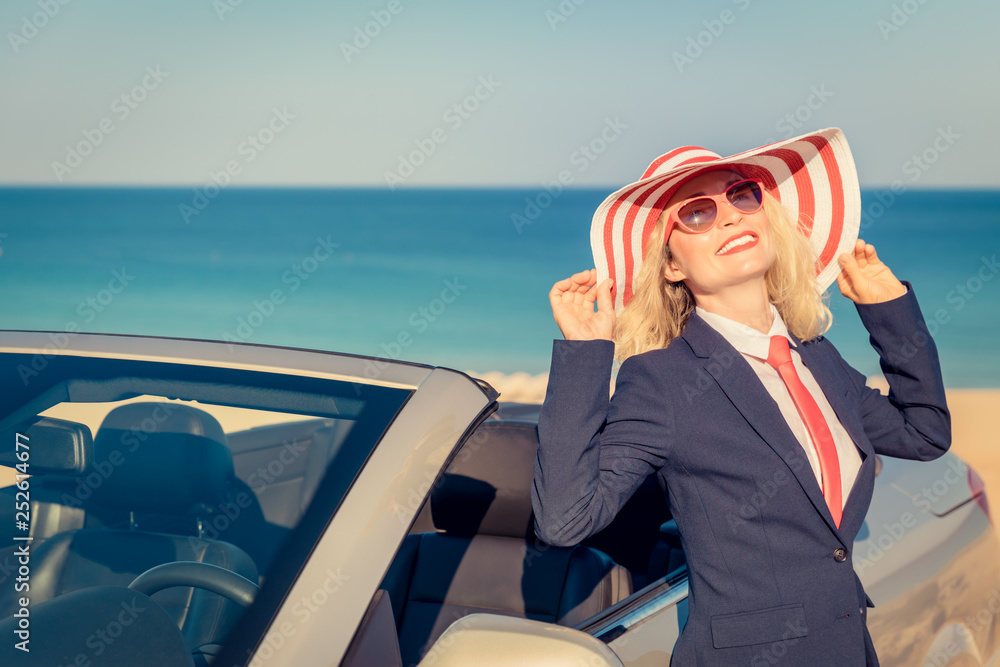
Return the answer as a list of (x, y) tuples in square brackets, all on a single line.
[(573, 302)]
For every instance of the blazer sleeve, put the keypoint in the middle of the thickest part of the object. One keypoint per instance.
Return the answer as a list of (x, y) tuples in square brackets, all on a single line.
[(913, 421), (594, 451)]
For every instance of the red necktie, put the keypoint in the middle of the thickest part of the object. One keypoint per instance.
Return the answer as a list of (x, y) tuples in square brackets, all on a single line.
[(829, 465)]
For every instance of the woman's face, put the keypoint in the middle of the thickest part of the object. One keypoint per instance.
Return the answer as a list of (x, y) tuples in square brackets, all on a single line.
[(737, 249)]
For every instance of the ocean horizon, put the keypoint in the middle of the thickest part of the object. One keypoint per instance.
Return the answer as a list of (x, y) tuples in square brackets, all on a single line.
[(455, 277)]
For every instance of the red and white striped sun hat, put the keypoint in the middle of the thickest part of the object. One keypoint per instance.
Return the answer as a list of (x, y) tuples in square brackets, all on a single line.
[(813, 175)]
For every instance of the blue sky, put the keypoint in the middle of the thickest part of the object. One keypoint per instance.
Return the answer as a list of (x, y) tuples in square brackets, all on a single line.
[(269, 89)]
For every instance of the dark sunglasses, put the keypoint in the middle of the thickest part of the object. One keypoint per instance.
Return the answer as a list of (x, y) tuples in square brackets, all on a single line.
[(698, 215)]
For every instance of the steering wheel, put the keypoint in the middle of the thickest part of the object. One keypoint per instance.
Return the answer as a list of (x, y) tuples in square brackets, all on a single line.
[(199, 575)]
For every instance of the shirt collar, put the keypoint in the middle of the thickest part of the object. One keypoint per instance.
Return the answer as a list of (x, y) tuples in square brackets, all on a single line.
[(745, 339)]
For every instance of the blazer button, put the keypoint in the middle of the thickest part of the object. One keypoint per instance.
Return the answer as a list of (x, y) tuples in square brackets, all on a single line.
[(840, 555)]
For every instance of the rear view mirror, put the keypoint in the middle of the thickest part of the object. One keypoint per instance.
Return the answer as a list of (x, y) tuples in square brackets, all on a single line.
[(489, 640), (56, 447)]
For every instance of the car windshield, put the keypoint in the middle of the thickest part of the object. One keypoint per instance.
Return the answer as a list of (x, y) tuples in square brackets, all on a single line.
[(111, 468)]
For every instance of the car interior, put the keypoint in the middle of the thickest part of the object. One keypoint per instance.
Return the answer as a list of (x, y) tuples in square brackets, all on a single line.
[(153, 510), (193, 492), (472, 546)]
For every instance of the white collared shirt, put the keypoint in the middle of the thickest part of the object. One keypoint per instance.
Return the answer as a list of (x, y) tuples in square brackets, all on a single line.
[(754, 347)]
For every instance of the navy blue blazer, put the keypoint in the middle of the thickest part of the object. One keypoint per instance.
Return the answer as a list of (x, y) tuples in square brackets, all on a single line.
[(771, 577)]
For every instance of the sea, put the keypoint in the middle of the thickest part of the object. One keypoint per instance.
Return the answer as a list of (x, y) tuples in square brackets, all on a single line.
[(449, 277)]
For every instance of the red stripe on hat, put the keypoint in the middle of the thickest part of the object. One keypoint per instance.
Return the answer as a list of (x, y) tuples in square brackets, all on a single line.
[(651, 169), (836, 196), (656, 211), (803, 186), (609, 234), (648, 225), (627, 227)]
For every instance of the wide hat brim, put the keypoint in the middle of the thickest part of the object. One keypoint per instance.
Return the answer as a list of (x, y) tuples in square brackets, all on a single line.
[(813, 176)]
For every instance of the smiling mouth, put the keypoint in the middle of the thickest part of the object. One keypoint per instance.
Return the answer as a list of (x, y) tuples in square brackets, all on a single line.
[(743, 242)]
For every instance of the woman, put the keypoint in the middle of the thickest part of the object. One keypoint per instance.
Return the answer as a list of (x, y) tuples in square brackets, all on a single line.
[(768, 465)]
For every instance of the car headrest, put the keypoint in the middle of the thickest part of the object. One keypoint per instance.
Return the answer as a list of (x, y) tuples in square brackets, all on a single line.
[(486, 490), (162, 457)]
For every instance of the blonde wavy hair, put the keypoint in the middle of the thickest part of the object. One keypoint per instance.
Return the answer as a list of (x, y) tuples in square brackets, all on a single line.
[(659, 309)]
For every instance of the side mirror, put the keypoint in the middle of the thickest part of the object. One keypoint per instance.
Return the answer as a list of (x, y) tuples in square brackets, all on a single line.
[(489, 640), (57, 446)]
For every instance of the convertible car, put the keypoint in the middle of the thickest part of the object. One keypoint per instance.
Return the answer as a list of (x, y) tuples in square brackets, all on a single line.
[(181, 502)]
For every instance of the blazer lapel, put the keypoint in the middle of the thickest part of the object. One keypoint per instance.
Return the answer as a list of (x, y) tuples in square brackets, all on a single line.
[(836, 392), (744, 389)]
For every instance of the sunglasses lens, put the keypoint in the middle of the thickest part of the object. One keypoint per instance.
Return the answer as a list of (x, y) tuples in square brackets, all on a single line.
[(746, 196), (698, 214)]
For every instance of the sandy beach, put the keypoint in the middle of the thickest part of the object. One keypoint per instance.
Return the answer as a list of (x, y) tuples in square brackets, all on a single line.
[(975, 436)]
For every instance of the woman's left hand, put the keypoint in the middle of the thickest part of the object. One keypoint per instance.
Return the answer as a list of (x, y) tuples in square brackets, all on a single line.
[(864, 278)]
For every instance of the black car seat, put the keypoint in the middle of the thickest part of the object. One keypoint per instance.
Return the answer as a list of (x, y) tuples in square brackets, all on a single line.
[(169, 465), (668, 554), (485, 557)]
